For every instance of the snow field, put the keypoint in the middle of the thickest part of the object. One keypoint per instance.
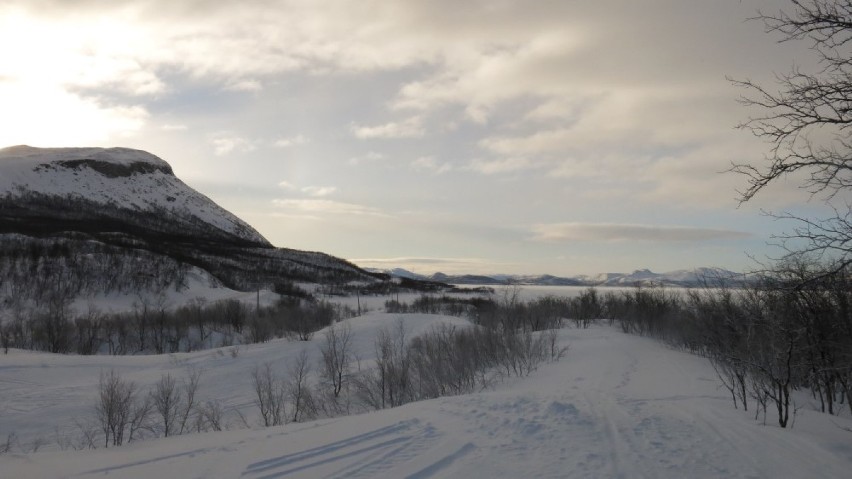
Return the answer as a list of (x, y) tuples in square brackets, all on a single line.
[(614, 406)]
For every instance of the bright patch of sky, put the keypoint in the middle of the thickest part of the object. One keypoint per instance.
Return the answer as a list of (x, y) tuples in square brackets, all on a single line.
[(478, 136)]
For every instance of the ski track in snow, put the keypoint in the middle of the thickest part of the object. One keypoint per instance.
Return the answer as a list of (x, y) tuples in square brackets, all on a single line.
[(616, 406)]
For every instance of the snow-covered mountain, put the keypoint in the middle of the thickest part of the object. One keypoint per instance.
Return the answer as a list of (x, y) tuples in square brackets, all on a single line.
[(118, 184), (131, 200), (684, 277)]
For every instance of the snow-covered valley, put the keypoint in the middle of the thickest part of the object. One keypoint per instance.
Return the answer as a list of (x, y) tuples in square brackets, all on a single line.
[(616, 405)]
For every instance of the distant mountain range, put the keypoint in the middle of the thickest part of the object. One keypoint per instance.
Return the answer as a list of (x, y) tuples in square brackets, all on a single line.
[(680, 278)]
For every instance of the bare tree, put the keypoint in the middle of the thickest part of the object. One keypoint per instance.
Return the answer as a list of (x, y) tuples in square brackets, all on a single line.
[(270, 394), (808, 123), (236, 314), (167, 399), (301, 398), (140, 415), (210, 416), (114, 406), (10, 441), (336, 356), (5, 337), (190, 388), (394, 366), (88, 436)]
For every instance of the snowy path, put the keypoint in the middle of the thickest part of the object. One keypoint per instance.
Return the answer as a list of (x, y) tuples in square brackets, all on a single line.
[(615, 406)]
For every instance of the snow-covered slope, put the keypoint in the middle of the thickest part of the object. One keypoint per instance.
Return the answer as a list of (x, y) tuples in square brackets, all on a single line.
[(67, 199), (118, 178), (615, 406)]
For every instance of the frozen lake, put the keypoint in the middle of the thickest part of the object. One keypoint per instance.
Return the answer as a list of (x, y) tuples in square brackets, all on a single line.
[(525, 293)]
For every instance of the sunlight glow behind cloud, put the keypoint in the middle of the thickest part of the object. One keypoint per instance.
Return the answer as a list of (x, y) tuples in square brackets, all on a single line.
[(582, 122)]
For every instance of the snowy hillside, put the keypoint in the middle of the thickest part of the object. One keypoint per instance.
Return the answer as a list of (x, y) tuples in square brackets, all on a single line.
[(120, 178), (614, 406), (119, 209)]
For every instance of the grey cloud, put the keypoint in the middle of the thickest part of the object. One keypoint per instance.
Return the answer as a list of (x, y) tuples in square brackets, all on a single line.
[(409, 128), (409, 260), (327, 207), (568, 232), (427, 265), (612, 105)]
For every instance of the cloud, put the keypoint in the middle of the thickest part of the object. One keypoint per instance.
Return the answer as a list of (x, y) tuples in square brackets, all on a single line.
[(291, 141), (572, 232), (468, 63), (174, 127), (77, 52), (225, 143), (505, 165), (314, 191), (419, 260), (244, 85), (428, 163), (410, 128), (329, 207), (317, 191), (72, 119), (429, 265), (370, 157), (623, 102)]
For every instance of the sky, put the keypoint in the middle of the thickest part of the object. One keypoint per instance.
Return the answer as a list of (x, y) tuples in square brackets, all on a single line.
[(498, 136)]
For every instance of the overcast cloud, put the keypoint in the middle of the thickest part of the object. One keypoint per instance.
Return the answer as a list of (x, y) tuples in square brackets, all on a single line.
[(535, 136)]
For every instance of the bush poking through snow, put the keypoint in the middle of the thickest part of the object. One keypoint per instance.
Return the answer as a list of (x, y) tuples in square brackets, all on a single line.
[(119, 410), (270, 395)]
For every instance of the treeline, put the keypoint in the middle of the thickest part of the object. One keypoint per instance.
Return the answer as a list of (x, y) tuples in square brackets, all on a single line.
[(151, 327), (48, 269), (450, 361), (445, 304), (445, 361), (507, 311), (789, 330)]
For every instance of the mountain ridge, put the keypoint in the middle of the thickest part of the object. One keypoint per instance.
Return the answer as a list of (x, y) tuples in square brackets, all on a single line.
[(681, 278), (131, 200), (109, 179)]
